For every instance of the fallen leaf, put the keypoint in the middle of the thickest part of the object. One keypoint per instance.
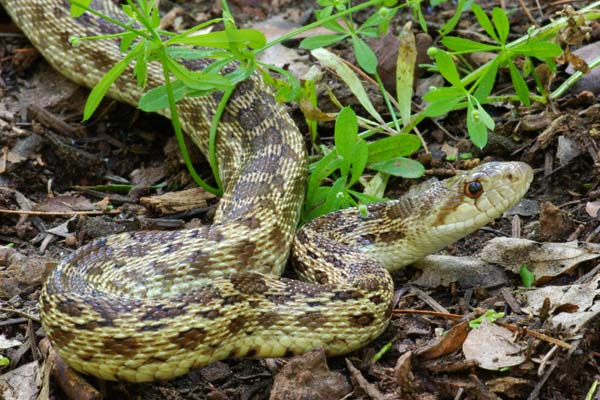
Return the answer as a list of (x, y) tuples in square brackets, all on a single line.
[(8, 343), (570, 306), (493, 347), (468, 272), (545, 260), (448, 343), (20, 383), (330, 60), (591, 207), (308, 377)]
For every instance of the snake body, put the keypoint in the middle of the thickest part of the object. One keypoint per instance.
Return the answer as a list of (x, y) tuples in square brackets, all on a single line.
[(152, 305)]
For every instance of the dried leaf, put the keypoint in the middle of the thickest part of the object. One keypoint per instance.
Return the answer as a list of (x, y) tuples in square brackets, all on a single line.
[(493, 347)]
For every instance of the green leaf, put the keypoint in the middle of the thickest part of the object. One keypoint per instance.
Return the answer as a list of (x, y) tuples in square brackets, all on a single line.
[(527, 277), (128, 10), (198, 80), (484, 21), (443, 93), (501, 23), (333, 197), (404, 167), (365, 57), (489, 315), (346, 131), (487, 81), (155, 18), (141, 68), (101, 88), (337, 194), (405, 69), (330, 60), (4, 361), (392, 147), (486, 118), (288, 90), (452, 22), (365, 198), (225, 40), (126, 40), (156, 99), (335, 26), (448, 68), (442, 100), (359, 161), (189, 53), (463, 45), (321, 170), (77, 11), (476, 127), (441, 107), (316, 41), (519, 83), (539, 49)]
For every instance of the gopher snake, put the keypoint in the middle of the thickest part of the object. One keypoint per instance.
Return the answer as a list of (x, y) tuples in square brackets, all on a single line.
[(141, 306)]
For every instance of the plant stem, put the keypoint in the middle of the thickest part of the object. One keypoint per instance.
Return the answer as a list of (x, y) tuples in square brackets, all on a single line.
[(212, 140), (177, 127), (571, 80)]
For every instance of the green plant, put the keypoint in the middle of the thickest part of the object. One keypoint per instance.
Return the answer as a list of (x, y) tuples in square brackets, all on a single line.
[(489, 315), (474, 89), (445, 99), (527, 277), (144, 45), (335, 172), (347, 162)]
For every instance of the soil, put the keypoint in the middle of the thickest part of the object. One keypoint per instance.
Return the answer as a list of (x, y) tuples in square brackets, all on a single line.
[(52, 163)]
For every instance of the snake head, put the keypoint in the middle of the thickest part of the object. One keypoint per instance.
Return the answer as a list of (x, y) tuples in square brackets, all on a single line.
[(474, 198), (436, 213), (471, 199)]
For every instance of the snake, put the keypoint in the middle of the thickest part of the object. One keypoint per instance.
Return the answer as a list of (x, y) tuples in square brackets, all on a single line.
[(151, 305)]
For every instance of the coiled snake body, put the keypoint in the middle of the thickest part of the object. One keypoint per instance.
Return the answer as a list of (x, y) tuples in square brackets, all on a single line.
[(152, 305)]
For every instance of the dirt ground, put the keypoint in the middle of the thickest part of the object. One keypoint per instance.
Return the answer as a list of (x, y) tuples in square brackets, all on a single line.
[(50, 163)]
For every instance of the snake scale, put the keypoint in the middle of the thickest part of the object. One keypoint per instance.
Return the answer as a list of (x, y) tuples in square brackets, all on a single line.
[(141, 306)]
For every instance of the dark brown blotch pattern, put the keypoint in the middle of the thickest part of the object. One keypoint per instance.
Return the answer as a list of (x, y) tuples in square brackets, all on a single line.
[(190, 338), (203, 296), (312, 319), (249, 283), (61, 337), (361, 320), (122, 346), (279, 299), (392, 236), (346, 295), (161, 311), (69, 307), (237, 324), (268, 319)]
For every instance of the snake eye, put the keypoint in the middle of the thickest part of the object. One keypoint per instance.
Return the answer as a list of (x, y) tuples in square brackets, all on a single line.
[(473, 189)]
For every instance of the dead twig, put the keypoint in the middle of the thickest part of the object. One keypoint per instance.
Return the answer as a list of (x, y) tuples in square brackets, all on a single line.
[(60, 213)]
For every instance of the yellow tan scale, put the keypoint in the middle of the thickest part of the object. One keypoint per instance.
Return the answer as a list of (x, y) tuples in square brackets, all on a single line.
[(141, 306)]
